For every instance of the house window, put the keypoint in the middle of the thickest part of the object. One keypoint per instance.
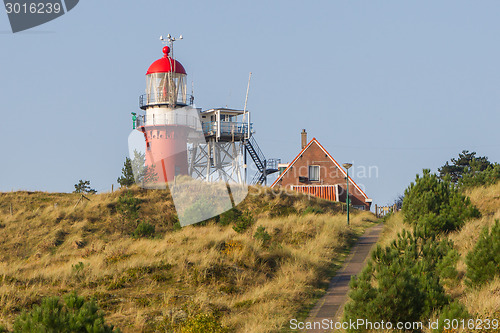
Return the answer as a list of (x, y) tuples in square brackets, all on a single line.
[(314, 173)]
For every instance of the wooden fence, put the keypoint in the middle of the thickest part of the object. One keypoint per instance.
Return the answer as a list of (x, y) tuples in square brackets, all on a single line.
[(384, 210)]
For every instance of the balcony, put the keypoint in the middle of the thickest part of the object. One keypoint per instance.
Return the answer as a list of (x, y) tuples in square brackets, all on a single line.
[(226, 129), (152, 99)]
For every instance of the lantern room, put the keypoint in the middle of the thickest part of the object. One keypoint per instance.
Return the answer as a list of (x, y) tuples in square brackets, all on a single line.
[(165, 83)]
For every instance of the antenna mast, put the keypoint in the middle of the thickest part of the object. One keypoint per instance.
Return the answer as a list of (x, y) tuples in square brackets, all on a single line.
[(170, 43), (245, 112)]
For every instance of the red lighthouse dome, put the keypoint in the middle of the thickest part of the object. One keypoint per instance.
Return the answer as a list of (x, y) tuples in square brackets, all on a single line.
[(166, 64)]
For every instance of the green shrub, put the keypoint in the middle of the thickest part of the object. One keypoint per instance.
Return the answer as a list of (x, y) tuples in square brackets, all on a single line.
[(452, 311), (436, 205), (229, 216), (128, 206), (483, 262), (446, 267), (400, 282), (313, 210), (489, 176), (203, 323), (3, 329), (144, 230), (244, 221), (78, 268), (73, 314), (263, 235)]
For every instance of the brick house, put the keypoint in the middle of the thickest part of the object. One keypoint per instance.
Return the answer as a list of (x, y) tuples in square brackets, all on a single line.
[(315, 172)]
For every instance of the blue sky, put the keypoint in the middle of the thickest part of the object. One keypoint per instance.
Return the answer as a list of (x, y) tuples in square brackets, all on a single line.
[(391, 85)]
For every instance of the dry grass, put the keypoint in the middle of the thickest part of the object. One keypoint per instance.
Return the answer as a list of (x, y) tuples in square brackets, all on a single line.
[(393, 225), (49, 247)]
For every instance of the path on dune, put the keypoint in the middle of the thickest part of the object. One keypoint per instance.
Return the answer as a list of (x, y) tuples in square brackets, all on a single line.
[(329, 306)]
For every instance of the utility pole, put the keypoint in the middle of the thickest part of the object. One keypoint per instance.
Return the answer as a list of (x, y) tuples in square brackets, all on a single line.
[(347, 201)]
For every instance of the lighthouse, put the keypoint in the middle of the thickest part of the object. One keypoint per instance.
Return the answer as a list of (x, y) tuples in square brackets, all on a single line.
[(166, 124), (180, 139), (208, 147)]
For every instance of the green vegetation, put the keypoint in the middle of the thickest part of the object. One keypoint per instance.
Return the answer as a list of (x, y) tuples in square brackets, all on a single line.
[(144, 230), (468, 171), (229, 216), (83, 186), (262, 235), (489, 176), (435, 205), (73, 314), (243, 222), (466, 163), (454, 310), (127, 178), (432, 261), (134, 171), (483, 262), (312, 210), (405, 280), (128, 206), (401, 281)]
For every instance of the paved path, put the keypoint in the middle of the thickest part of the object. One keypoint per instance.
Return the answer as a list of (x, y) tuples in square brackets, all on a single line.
[(329, 306)]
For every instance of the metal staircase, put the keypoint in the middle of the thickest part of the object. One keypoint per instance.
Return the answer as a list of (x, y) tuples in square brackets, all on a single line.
[(264, 167)]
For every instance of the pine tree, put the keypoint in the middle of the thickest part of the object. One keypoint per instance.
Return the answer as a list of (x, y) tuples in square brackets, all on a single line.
[(483, 262), (72, 314), (436, 205), (401, 282), (135, 171), (127, 178), (83, 186), (465, 163)]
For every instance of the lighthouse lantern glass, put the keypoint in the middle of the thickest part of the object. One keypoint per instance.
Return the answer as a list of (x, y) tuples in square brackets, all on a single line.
[(168, 88)]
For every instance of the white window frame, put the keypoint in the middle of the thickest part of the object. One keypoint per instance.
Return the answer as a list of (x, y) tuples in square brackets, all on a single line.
[(309, 173)]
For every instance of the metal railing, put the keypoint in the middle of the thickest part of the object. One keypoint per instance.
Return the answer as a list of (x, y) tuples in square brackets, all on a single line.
[(226, 128), (272, 163), (151, 99)]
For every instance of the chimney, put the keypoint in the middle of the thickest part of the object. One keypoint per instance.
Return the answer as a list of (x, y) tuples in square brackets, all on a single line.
[(303, 137)]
